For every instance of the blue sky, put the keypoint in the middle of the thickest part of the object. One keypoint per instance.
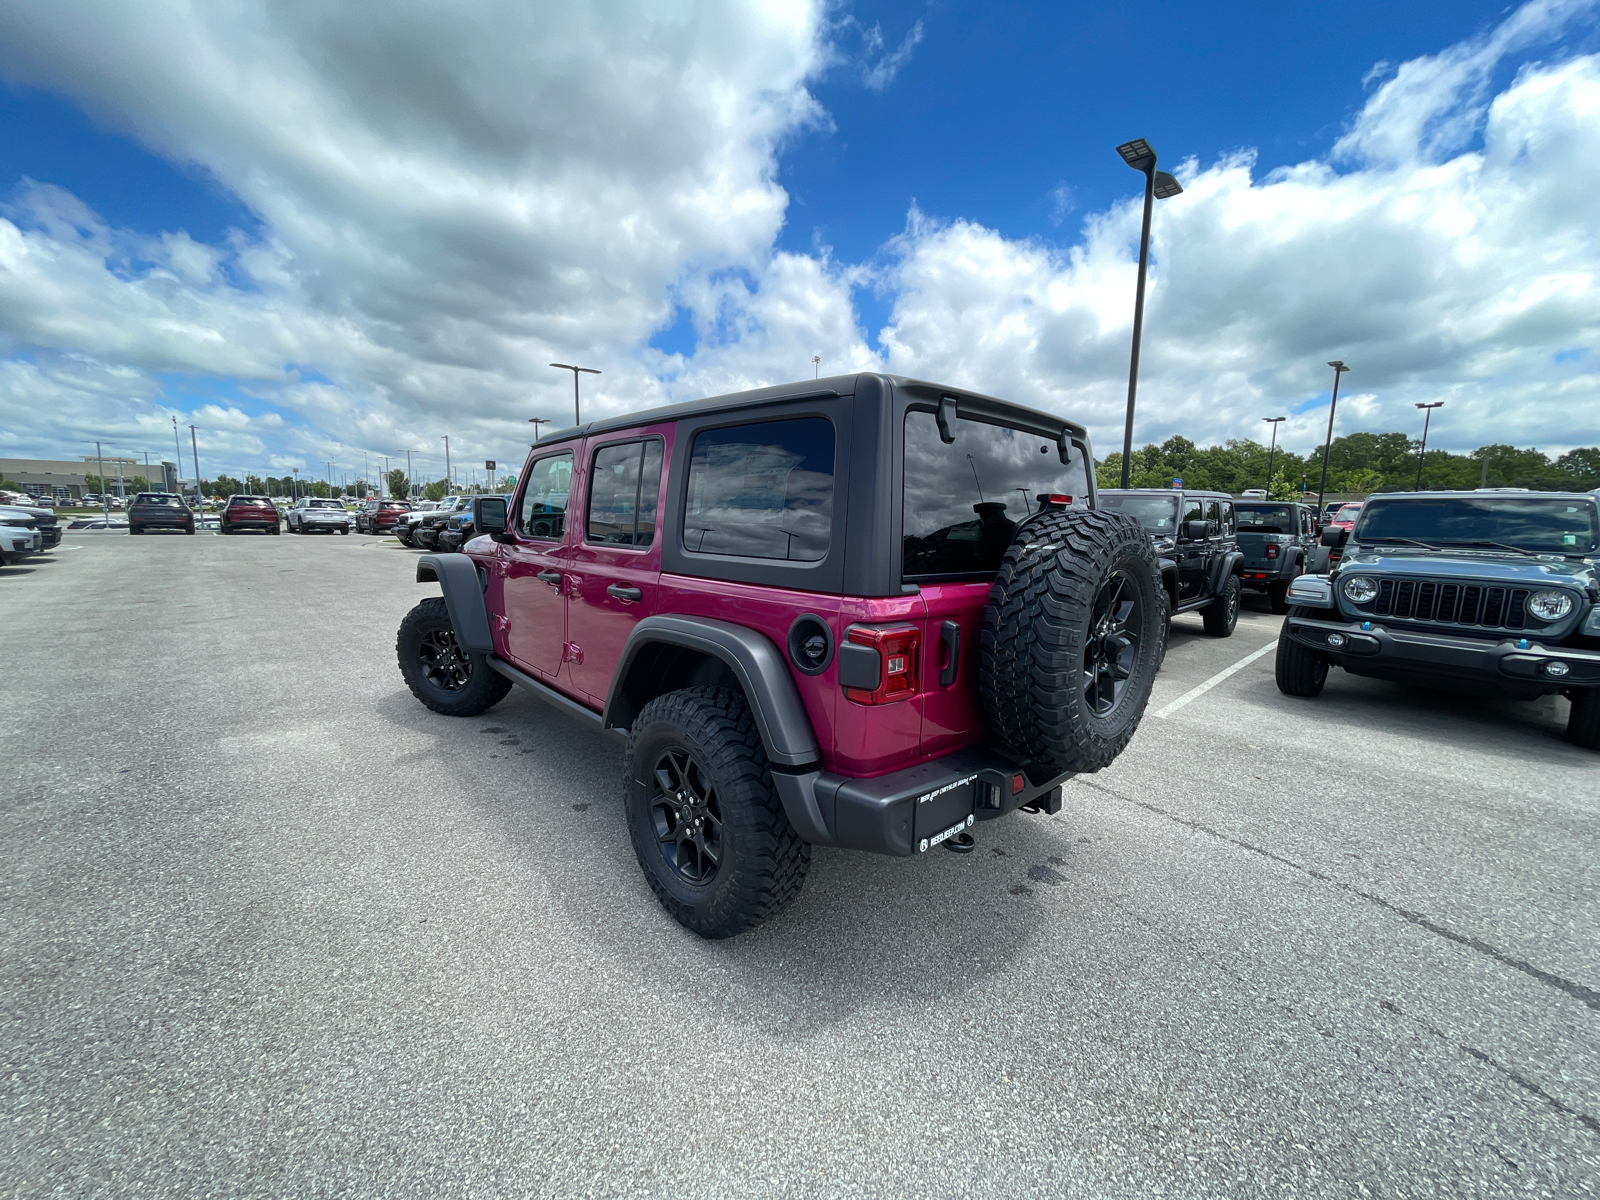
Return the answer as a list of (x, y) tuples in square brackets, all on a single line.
[(962, 148)]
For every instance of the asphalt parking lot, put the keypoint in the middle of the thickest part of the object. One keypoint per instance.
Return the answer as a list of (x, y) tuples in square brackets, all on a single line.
[(272, 928)]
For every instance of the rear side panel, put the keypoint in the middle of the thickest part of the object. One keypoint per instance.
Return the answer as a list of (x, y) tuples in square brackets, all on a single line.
[(952, 716)]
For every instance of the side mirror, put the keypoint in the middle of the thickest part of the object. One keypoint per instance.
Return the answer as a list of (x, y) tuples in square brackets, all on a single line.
[(1196, 531), (489, 516), (1334, 537)]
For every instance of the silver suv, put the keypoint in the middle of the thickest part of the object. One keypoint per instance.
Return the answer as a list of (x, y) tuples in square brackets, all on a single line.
[(313, 515)]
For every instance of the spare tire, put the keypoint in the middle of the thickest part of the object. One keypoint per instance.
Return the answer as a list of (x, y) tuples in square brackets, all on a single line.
[(1072, 638)]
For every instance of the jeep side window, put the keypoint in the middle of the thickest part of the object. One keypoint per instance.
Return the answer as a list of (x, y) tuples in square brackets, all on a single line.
[(623, 483), (762, 490), (1214, 517), (1227, 518), (543, 513), (1192, 511)]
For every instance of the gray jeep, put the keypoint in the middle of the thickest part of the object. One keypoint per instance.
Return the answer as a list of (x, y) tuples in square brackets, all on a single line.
[(1276, 538), (1491, 591)]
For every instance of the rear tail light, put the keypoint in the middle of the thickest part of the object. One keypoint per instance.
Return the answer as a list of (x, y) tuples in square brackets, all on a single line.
[(1272, 549), (897, 647)]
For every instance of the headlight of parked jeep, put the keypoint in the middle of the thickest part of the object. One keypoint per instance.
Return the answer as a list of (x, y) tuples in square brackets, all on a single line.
[(1550, 606), (1359, 589)]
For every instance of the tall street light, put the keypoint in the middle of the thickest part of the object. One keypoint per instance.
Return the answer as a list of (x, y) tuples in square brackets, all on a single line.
[(1274, 422), (1158, 185), (199, 500), (449, 481), (577, 418), (1427, 415), (816, 366), (536, 422), (1338, 369)]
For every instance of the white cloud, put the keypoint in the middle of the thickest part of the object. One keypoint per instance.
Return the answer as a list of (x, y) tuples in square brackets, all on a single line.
[(451, 199)]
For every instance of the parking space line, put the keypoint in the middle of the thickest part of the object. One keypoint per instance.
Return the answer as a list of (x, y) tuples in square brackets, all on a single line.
[(1196, 692)]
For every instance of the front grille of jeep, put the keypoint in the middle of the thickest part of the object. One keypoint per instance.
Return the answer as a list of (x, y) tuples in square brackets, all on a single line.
[(1440, 603)]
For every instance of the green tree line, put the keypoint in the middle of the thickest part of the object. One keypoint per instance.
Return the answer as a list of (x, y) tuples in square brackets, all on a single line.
[(1358, 462)]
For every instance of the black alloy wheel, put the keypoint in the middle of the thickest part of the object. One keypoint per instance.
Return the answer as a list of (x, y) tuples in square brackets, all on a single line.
[(443, 663), (1112, 648), (686, 817)]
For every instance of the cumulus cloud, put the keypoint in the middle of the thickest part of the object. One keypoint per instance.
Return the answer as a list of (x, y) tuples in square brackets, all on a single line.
[(1473, 278), (450, 200)]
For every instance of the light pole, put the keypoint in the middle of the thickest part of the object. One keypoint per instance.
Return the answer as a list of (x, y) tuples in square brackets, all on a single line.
[(177, 461), (105, 501), (1158, 185), (411, 484), (296, 497), (449, 480), (536, 422), (1338, 369), (199, 503), (1274, 422), (816, 366), (1427, 415), (577, 418)]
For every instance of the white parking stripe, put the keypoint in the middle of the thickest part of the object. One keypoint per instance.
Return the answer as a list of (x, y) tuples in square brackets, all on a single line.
[(1195, 692)]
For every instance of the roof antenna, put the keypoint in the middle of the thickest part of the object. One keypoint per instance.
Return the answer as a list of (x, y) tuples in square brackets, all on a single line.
[(974, 467)]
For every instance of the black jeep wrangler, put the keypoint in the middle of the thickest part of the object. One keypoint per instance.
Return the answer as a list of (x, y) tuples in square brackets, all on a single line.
[(1276, 537), (1492, 591), (1194, 537)]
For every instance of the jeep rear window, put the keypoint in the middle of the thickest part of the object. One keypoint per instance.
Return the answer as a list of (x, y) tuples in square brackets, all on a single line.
[(762, 491), (1266, 518), (623, 484), (961, 502), (1555, 526), (1158, 514), (543, 514)]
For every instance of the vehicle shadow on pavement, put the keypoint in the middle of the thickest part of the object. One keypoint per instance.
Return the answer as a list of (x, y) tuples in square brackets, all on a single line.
[(1352, 706), (865, 930)]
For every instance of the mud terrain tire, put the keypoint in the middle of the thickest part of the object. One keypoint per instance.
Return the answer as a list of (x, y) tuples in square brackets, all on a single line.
[(1072, 637), (1583, 722), (695, 755), (445, 677)]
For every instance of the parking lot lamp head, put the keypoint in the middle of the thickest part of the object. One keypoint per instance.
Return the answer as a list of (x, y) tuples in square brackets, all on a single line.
[(577, 417), (536, 422), (1427, 415), (1158, 185), (1327, 443)]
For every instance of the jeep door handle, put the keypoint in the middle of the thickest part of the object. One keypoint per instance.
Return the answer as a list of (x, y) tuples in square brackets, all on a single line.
[(622, 592), (950, 635), (553, 578)]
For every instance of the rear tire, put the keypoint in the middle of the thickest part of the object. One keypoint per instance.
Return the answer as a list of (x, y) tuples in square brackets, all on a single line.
[(1583, 722), (445, 677), (695, 755), (1071, 640), (1222, 614), (1300, 670)]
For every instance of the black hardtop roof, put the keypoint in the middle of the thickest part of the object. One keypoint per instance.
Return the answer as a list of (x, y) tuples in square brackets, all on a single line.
[(1177, 492), (807, 389), (1476, 493)]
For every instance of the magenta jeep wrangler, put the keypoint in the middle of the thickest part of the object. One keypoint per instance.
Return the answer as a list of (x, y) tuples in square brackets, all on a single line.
[(863, 612)]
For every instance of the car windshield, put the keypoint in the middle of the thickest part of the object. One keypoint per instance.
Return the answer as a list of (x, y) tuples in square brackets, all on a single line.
[(1553, 525), (1158, 514), (963, 499), (1348, 513), (251, 500), (334, 504), (1265, 518), (156, 498)]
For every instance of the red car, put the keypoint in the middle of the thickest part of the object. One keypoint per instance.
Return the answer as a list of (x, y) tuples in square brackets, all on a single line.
[(1346, 517), (863, 612), (250, 512), (379, 516)]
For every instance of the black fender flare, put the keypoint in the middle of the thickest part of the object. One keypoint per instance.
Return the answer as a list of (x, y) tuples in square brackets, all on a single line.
[(1168, 569), (458, 578), (1231, 563), (757, 664)]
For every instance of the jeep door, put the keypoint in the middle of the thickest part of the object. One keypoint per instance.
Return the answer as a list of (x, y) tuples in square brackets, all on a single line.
[(1190, 553), (535, 564), (615, 565)]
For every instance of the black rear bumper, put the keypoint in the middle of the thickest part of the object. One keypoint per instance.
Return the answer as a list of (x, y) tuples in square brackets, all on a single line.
[(906, 812)]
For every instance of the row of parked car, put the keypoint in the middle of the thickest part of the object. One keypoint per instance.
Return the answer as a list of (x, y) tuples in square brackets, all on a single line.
[(26, 529)]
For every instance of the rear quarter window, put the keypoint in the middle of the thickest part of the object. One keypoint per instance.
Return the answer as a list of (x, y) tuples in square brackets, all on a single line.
[(762, 490)]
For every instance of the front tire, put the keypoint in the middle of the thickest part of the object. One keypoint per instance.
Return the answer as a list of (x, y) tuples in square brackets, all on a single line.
[(440, 673), (1222, 614), (1278, 596), (1300, 670), (706, 822), (1583, 722), (1071, 640)]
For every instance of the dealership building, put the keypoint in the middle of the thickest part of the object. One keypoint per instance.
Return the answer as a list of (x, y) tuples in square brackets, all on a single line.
[(67, 480)]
